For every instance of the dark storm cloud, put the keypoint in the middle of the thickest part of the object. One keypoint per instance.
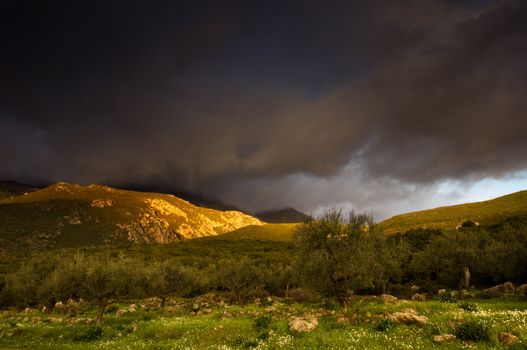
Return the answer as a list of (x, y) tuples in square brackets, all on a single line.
[(214, 96)]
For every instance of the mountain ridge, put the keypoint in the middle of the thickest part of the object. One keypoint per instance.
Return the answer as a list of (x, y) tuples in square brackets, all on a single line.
[(65, 215)]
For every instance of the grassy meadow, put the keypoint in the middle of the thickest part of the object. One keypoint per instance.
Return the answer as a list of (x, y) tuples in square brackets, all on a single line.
[(207, 322)]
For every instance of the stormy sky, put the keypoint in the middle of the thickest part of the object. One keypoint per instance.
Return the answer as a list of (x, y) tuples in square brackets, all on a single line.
[(380, 106)]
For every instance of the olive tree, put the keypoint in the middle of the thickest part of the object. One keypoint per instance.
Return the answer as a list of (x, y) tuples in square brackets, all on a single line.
[(163, 279), (336, 257)]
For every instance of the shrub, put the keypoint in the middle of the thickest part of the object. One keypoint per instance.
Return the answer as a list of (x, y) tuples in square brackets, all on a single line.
[(447, 298), (384, 325), (472, 330), (245, 343), (261, 324), (88, 334), (434, 329), (468, 306), (303, 295)]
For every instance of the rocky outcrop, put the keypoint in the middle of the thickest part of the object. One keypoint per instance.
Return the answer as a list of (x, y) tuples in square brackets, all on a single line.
[(522, 289), (303, 324), (506, 288), (443, 338), (418, 297), (507, 338), (387, 298), (408, 316), (109, 216)]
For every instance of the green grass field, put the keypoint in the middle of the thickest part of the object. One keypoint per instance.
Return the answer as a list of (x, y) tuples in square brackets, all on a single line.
[(267, 232), (485, 213), (204, 323)]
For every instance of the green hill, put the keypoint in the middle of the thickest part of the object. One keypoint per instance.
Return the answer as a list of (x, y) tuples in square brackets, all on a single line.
[(485, 213), (266, 232), (70, 215)]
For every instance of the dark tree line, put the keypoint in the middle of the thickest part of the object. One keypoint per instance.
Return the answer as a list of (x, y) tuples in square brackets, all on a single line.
[(334, 256)]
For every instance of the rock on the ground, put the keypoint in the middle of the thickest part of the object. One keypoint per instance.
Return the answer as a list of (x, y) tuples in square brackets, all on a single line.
[(418, 297), (522, 289), (441, 291), (443, 338), (387, 298), (303, 324), (507, 338), (506, 288), (408, 316)]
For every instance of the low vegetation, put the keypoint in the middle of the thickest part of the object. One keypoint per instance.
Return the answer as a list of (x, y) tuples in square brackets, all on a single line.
[(227, 293)]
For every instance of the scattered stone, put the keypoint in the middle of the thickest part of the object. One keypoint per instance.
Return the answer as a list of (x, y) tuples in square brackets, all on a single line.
[(303, 324), (342, 319), (101, 203), (55, 320), (443, 338), (418, 297), (121, 312), (441, 291), (522, 289), (29, 310), (132, 308), (506, 288), (387, 298), (226, 315), (507, 338), (408, 316)]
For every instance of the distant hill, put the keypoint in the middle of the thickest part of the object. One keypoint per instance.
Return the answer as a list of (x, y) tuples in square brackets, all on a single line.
[(192, 197), (285, 215), (266, 232), (10, 189), (486, 213), (70, 215)]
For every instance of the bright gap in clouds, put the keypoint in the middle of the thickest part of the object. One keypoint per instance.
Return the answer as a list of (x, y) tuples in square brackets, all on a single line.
[(486, 189)]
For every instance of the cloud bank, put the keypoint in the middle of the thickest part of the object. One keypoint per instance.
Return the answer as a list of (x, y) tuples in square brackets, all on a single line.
[(266, 104)]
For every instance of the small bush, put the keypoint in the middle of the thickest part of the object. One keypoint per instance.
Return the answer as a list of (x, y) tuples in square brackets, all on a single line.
[(261, 324), (468, 306), (88, 334), (384, 325), (447, 298), (303, 295), (246, 343), (518, 346), (111, 309), (401, 291), (434, 329), (472, 330)]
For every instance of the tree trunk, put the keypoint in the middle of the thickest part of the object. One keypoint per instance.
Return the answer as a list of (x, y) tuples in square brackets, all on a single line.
[(162, 304), (287, 290), (51, 305), (102, 307), (384, 287)]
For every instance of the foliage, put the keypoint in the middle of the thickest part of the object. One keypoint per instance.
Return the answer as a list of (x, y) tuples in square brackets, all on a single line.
[(261, 324), (448, 298), (384, 324), (335, 258), (472, 330), (88, 334), (468, 306)]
